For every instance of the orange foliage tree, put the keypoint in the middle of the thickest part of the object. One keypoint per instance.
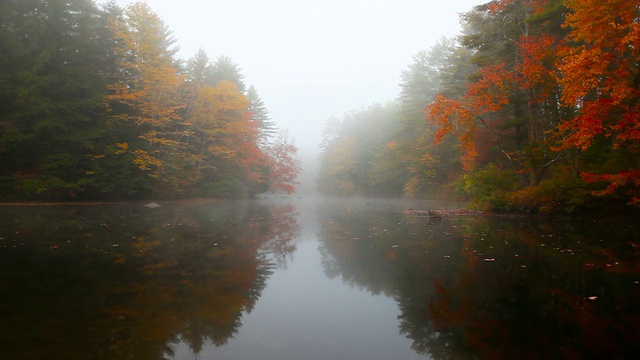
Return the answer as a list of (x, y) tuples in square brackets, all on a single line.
[(225, 137), (462, 117), (513, 98), (146, 90), (284, 167), (600, 75)]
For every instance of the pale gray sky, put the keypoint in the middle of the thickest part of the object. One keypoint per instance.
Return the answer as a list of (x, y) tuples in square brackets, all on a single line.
[(310, 60)]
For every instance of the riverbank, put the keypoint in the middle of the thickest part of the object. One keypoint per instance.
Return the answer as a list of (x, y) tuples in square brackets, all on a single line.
[(93, 203)]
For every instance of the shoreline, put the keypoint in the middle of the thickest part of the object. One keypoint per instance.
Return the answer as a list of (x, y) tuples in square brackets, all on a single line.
[(90, 203)]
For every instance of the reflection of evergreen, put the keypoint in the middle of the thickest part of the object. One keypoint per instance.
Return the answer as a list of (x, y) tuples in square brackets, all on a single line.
[(383, 252), (126, 281), (489, 287), (354, 247)]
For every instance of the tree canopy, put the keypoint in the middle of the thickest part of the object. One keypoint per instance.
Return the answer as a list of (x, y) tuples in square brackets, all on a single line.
[(94, 104), (533, 107)]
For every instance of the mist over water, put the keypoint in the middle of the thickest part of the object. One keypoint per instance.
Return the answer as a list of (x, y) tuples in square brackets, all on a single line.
[(104, 111), (304, 277)]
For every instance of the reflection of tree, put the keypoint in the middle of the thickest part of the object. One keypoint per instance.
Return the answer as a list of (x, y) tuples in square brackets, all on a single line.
[(127, 282), (358, 246), (492, 288), (284, 229), (534, 292)]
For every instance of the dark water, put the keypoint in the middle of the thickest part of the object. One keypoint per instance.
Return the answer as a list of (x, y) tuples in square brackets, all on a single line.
[(303, 279)]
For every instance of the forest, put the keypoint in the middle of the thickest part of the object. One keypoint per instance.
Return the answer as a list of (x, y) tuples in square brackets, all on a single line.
[(533, 107), (96, 106)]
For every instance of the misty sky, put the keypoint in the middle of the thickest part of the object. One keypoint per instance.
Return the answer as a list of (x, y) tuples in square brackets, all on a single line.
[(310, 60)]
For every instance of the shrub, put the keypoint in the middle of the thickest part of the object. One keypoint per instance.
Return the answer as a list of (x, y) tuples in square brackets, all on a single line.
[(491, 188)]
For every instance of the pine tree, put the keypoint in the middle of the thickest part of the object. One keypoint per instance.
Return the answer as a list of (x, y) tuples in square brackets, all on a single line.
[(225, 69), (51, 90), (260, 115)]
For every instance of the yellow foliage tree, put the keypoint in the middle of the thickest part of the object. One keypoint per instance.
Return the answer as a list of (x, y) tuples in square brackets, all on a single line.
[(224, 137), (146, 90)]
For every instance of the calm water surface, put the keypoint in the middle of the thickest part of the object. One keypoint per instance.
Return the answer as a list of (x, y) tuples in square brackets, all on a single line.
[(310, 279)]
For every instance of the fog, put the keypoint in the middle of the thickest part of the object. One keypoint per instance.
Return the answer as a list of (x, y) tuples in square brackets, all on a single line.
[(313, 60)]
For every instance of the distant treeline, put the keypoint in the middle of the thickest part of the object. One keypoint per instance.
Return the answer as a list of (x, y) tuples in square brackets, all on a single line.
[(95, 105), (535, 107)]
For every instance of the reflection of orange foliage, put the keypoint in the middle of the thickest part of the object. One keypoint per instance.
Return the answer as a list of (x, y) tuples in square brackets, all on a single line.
[(283, 230), (613, 264), (601, 334), (459, 309), (142, 245), (390, 255), (448, 311)]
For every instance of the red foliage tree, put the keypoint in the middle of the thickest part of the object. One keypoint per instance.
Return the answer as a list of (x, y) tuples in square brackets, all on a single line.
[(600, 74), (284, 167)]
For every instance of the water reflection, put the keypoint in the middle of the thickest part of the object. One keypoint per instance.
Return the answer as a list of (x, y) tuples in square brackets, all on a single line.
[(119, 281), (477, 287), (126, 281)]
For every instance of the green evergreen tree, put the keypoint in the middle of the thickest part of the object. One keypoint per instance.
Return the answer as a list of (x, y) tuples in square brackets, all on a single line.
[(425, 166), (54, 56), (199, 70), (225, 69), (260, 115)]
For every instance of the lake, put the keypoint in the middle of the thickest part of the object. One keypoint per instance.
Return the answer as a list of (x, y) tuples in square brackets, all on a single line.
[(305, 278)]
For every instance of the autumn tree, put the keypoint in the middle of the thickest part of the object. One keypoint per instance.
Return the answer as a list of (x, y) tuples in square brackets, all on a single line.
[(337, 165), (350, 164), (556, 95), (229, 162), (145, 94), (337, 158), (599, 77), (512, 100), (432, 72), (284, 166), (94, 105)]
